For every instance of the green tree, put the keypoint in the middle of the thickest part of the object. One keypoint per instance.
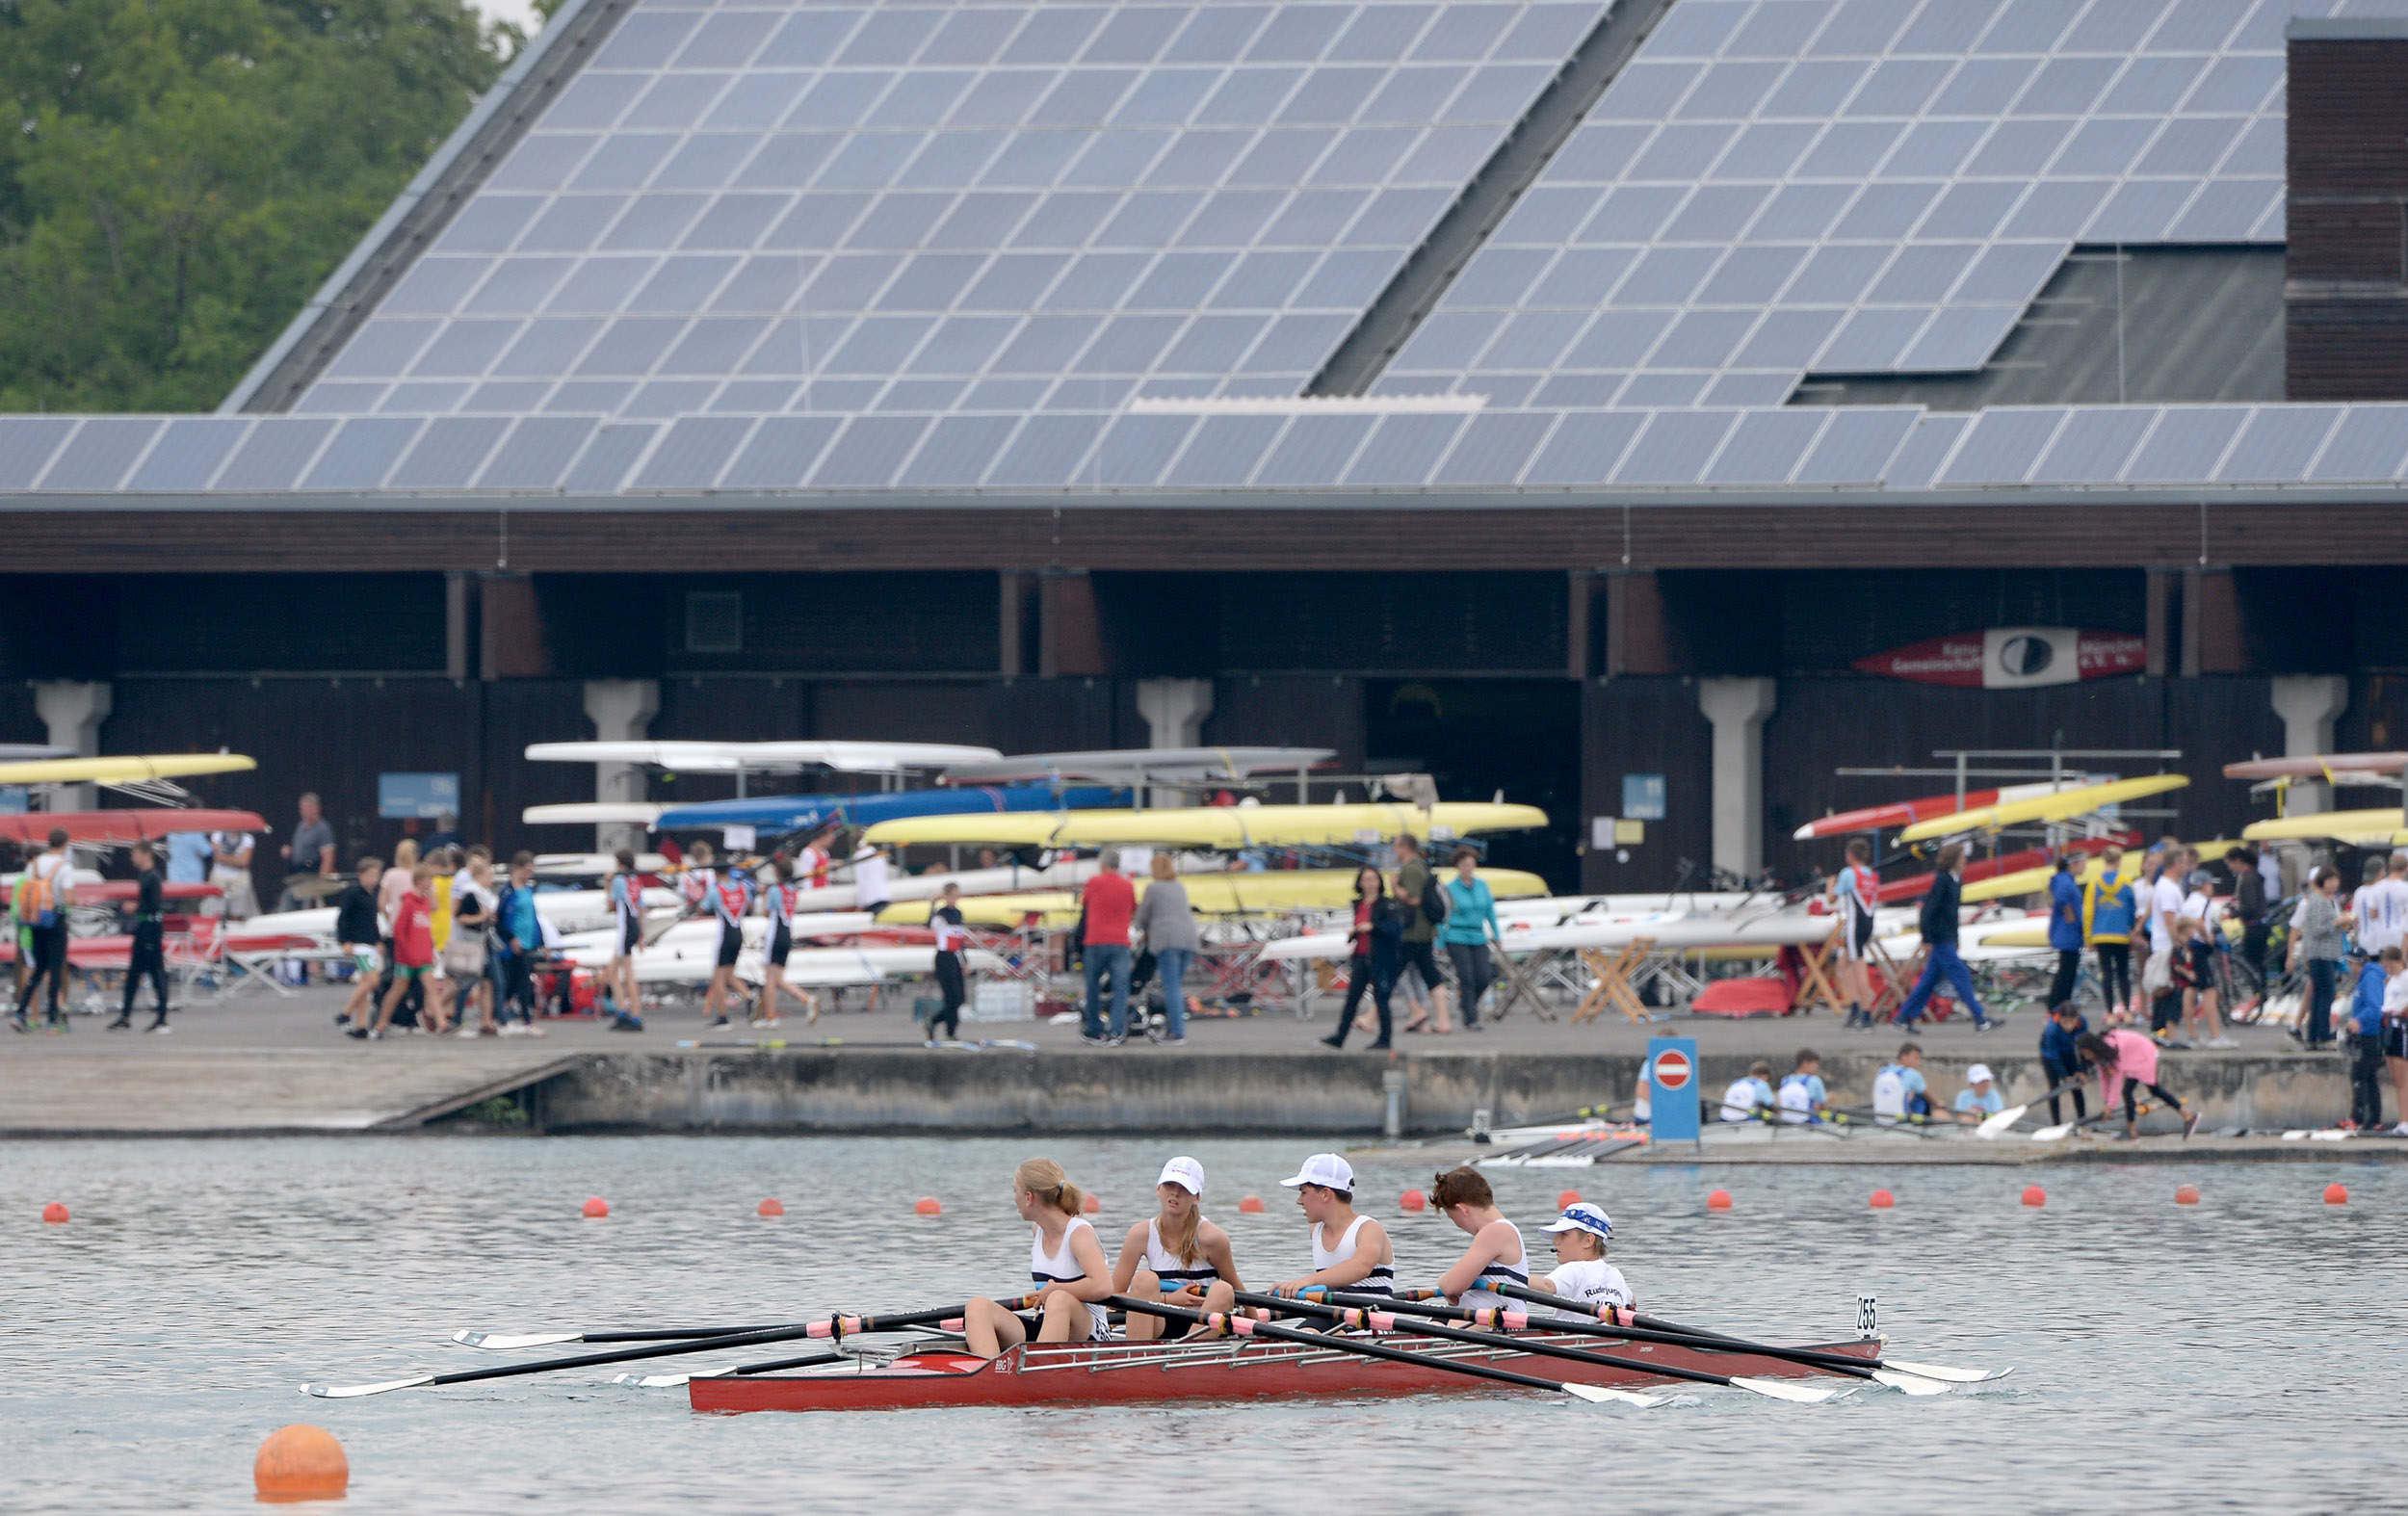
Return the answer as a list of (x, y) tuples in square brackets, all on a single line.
[(182, 174)]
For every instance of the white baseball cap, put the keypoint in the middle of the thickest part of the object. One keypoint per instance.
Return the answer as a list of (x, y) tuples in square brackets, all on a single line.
[(1184, 1173), (1583, 1217), (1325, 1169), (1979, 1074)]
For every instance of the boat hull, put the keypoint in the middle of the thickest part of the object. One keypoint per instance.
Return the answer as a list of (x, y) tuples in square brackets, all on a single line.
[(1225, 1369)]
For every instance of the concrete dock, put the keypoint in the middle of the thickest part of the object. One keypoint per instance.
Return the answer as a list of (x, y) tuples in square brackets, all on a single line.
[(265, 1065)]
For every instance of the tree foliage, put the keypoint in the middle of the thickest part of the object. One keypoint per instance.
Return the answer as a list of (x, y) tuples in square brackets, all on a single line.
[(182, 174)]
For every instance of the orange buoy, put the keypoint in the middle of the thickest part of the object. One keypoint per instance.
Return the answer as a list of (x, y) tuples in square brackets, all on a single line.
[(1413, 1200), (1884, 1200), (55, 1214), (2336, 1195), (1570, 1197), (773, 1206), (1094, 1203), (1252, 1204), (598, 1207), (926, 1206), (1719, 1200), (301, 1462), (2187, 1195), (2034, 1195)]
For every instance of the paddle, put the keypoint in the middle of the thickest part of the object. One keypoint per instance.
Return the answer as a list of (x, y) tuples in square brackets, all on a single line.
[(836, 1326), (1390, 1320), (503, 1342), (1673, 1331), (1992, 1126), (2068, 1128), (1247, 1326), (671, 1382)]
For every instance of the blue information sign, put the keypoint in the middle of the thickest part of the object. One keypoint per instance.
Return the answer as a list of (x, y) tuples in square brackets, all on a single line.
[(1642, 797), (1672, 1088), (422, 796)]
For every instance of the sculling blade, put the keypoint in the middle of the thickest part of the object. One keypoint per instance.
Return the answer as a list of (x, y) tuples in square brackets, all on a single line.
[(1599, 1395), (1943, 1371), (352, 1391), (1909, 1383), (1802, 1394)]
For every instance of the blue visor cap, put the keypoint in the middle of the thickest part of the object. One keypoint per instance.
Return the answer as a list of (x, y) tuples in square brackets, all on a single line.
[(1583, 1217)]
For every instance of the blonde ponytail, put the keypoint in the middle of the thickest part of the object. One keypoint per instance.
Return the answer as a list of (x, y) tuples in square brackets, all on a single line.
[(1046, 1179)]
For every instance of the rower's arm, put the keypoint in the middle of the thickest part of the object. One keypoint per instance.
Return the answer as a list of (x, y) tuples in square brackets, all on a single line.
[(1544, 1284), (1354, 1269), (1479, 1255), (1132, 1254), (1095, 1281), (1217, 1253)]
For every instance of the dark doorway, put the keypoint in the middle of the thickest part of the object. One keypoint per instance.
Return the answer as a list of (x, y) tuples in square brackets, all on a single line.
[(1478, 736)]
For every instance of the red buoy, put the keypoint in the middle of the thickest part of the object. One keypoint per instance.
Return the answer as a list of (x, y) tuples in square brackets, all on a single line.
[(773, 1207), (598, 1207), (926, 1205), (1094, 1203), (1884, 1200), (301, 1462), (2187, 1195), (55, 1214), (1413, 1200), (1719, 1200), (1570, 1197), (2034, 1195), (2335, 1194), (1252, 1204)]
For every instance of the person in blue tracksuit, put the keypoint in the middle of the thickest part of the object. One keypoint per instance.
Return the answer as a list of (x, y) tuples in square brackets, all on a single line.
[(2366, 1040), (2066, 929), (2061, 1055), (1940, 955)]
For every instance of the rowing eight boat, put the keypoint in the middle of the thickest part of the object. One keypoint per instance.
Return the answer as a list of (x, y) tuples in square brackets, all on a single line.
[(1218, 1369)]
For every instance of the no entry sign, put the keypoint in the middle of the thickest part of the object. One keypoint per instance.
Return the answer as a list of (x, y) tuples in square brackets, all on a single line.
[(1672, 1088), (1671, 1069)]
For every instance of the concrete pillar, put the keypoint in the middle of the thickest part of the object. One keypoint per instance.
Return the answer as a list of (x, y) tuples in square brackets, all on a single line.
[(73, 712), (1737, 708), (2308, 703), (621, 711), (1174, 712)]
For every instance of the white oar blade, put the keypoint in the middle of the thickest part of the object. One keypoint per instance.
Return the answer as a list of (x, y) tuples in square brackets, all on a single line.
[(1801, 1394), (2053, 1133), (669, 1381), (499, 1343), (1943, 1372), (352, 1391), (1992, 1126), (1599, 1395), (1908, 1384)]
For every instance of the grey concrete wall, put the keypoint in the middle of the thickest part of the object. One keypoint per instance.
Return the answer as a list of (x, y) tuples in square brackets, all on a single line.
[(908, 1091)]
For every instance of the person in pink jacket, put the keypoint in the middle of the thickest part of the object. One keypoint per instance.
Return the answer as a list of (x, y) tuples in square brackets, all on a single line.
[(2127, 1062)]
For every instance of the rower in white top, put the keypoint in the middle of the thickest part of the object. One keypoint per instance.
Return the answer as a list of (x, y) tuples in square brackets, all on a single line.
[(1496, 1254), (1350, 1252), (1581, 1235), (1065, 1262), (1177, 1257)]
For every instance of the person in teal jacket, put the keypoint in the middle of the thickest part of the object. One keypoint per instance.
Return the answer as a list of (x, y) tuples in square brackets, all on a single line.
[(1471, 921)]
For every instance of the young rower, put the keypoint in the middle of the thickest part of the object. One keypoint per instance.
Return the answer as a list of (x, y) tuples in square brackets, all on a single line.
[(729, 893), (1496, 1254), (1581, 1235), (1899, 1092), (1803, 1097), (625, 893), (1749, 1099), (1066, 1261), (1177, 1257), (778, 903), (1350, 1252)]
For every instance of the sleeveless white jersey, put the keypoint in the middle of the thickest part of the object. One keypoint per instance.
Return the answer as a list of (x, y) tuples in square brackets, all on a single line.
[(1061, 1269), (1166, 1266), (1381, 1280), (1516, 1272)]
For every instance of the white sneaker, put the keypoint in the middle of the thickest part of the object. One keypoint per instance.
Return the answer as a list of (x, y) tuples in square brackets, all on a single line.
[(465, 1031), (2222, 1042), (2400, 1130)]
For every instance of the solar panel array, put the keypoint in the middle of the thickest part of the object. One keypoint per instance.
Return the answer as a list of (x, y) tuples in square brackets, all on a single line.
[(1793, 449), (1773, 188), (952, 207)]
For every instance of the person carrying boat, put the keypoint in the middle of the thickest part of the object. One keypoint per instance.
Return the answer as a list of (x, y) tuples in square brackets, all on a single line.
[(1749, 1099), (1065, 1262), (1350, 1252), (1855, 896), (1176, 1257), (1496, 1255), (1899, 1092), (1579, 1236), (1803, 1095), (2127, 1062)]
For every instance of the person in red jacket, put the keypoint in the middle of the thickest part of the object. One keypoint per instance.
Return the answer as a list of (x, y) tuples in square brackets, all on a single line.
[(413, 953), (1110, 900)]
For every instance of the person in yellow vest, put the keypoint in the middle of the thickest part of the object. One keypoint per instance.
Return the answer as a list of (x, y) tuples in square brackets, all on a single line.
[(2109, 911)]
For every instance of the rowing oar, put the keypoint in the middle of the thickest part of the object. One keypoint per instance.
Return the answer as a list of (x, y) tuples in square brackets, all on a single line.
[(1385, 1316), (1247, 1326), (504, 1343), (1992, 1126), (1631, 1323), (671, 1382), (834, 1326), (2068, 1128), (1919, 1126)]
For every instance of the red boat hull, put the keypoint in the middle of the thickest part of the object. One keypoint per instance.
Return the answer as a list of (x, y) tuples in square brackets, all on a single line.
[(1134, 1372)]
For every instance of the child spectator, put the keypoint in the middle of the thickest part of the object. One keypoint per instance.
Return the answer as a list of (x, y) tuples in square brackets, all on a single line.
[(2128, 1062), (413, 952), (2060, 1057)]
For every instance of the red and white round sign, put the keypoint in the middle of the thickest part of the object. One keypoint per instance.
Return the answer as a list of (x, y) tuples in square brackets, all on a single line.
[(1670, 1069)]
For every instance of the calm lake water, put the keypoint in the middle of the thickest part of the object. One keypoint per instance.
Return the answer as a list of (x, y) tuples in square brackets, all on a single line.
[(2243, 1354)]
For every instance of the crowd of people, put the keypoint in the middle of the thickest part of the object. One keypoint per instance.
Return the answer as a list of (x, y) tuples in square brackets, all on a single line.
[(436, 939)]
